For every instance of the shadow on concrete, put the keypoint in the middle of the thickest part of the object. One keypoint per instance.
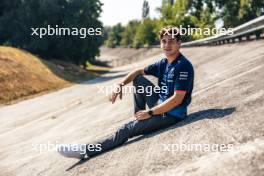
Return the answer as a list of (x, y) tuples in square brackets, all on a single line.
[(73, 73), (196, 116)]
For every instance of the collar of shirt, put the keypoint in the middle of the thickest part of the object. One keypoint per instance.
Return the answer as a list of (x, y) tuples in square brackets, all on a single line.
[(175, 61)]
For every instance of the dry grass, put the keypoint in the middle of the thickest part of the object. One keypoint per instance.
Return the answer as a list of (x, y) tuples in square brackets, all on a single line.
[(23, 75)]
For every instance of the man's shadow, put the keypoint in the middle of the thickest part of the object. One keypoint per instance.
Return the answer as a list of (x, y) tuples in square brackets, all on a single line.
[(196, 116), (193, 117)]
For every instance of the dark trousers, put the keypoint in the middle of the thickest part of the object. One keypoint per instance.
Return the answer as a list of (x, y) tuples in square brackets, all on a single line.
[(137, 127)]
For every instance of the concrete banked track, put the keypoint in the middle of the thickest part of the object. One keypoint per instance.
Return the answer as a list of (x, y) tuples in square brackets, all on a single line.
[(227, 108)]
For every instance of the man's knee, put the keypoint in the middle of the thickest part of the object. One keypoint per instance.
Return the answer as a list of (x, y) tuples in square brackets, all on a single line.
[(139, 80), (128, 128)]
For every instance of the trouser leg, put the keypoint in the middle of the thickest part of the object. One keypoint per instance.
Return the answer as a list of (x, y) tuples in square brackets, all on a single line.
[(145, 97), (134, 128)]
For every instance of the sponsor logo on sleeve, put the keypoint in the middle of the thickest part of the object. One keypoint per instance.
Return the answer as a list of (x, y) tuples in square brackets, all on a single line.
[(183, 76)]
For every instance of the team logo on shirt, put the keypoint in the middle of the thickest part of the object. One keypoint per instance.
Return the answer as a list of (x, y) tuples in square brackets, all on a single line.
[(170, 75)]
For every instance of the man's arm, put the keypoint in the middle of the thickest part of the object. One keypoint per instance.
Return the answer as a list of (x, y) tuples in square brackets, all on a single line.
[(132, 75), (166, 106), (170, 103), (128, 78)]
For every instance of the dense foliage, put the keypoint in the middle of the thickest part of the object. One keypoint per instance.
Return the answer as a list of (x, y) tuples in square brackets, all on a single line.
[(17, 17), (187, 13)]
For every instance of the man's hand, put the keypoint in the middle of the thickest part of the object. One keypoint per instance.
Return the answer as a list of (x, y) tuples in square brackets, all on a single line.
[(142, 115), (118, 88), (117, 91)]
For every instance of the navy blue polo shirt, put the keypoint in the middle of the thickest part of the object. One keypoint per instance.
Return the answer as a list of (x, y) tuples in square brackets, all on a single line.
[(177, 76)]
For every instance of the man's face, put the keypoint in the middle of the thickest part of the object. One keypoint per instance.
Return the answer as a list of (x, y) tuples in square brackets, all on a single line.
[(170, 46)]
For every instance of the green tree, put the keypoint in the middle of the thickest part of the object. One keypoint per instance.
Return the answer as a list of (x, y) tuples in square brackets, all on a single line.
[(129, 32), (106, 31), (146, 33), (145, 9), (166, 14), (16, 24), (250, 9), (228, 11), (114, 37)]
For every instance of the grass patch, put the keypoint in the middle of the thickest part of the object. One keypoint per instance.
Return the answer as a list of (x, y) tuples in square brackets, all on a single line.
[(97, 69), (24, 75)]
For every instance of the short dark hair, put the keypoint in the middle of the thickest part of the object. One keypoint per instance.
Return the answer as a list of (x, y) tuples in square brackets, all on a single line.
[(169, 30)]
